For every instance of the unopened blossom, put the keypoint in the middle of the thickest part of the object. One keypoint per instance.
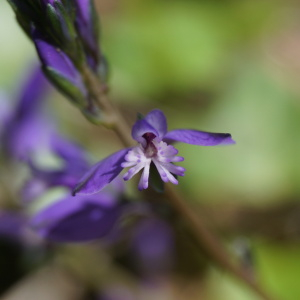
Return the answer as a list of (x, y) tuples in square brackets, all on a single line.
[(153, 149)]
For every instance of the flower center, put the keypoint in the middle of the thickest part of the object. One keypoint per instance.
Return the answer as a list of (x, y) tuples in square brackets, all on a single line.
[(150, 150), (160, 153)]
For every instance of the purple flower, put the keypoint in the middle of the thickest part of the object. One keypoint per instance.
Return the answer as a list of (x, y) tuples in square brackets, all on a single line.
[(75, 164), (79, 219), (25, 127), (153, 148)]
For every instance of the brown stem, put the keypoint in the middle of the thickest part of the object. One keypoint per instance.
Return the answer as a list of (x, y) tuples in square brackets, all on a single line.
[(112, 118), (212, 246)]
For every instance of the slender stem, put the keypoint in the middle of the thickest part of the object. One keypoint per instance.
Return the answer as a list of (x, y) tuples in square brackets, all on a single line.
[(212, 246)]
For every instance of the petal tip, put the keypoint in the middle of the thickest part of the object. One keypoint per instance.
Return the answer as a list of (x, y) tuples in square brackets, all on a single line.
[(228, 140)]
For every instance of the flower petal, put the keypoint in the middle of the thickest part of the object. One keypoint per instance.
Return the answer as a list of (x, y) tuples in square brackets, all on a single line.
[(28, 127), (67, 177), (32, 93), (69, 151), (200, 138), (79, 219), (101, 174), (157, 120), (140, 128), (28, 136)]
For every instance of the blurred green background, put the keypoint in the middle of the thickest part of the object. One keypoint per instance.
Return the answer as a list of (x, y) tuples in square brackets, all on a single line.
[(225, 66)]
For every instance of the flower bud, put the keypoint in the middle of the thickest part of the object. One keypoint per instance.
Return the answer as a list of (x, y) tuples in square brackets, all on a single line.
[(87, 26), (60, 70)]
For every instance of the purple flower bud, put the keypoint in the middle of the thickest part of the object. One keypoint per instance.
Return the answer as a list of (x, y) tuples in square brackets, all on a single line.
[(87, 27), (60, 70)]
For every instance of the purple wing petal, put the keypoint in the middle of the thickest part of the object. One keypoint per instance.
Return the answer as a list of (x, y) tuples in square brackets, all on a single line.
[(157, 120), (78, 219), (200, 138), (101, 174)]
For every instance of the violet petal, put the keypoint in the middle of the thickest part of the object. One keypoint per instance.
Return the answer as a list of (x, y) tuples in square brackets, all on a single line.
[(101, 174), (78, 219), (140, 128), (31, 93), (66, 176), (28, 137), (69, 151), (28, 128), (157, 120), (200, 138)]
